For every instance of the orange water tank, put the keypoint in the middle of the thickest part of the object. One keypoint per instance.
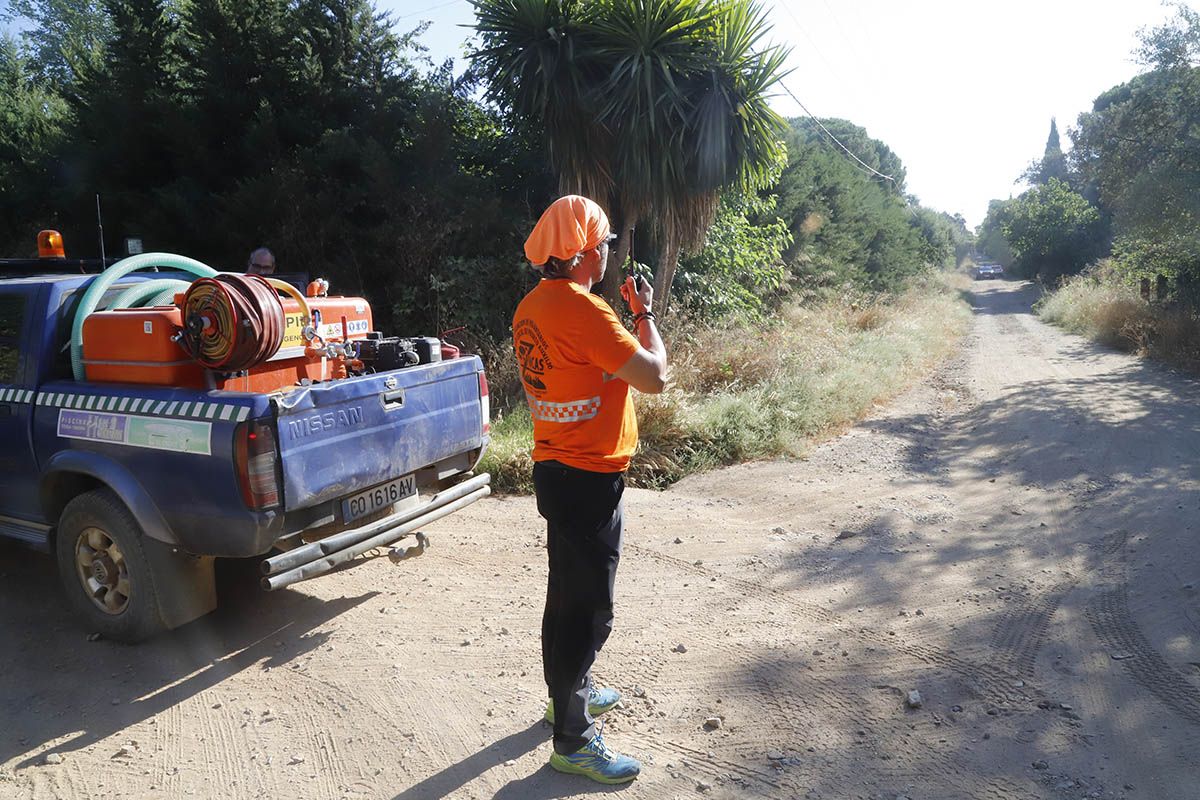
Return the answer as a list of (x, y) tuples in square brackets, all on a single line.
[(134, 345), (137, 345)]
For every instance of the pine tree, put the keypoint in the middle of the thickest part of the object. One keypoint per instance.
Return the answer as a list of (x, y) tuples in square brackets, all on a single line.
[(32, 121), (63, 38), (1054, 163), (125, 117)]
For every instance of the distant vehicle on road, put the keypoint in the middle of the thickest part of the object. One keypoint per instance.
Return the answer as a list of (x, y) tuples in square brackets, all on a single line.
[(984, 271)]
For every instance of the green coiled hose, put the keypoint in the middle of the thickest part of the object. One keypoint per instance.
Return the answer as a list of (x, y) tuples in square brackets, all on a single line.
[(100, 284)]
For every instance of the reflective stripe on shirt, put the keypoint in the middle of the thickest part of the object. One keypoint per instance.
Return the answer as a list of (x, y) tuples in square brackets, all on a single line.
[(574, 411)]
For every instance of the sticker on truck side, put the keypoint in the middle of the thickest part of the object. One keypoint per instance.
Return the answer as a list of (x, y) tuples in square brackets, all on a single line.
[(176, 435), (293, 330)]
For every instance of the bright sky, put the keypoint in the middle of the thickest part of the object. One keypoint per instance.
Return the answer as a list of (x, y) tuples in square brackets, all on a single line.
[(962, 90)]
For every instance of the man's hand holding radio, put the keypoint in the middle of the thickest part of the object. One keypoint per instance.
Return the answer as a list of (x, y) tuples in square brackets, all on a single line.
[(647, 370), (638, 292)]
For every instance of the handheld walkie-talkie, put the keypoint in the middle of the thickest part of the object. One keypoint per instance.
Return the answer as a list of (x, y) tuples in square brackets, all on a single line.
[(639, 280)]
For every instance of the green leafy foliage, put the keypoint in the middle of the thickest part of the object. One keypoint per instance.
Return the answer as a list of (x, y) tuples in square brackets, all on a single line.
[(65, 38), (849, 226), (310, 126), (651, 108), (32, 122), (741, 267), (1135, 166), (1138, 149), (1173, 256), (1052, 231), (990, 241), (125, 121), (1053, 163), (317, 128)]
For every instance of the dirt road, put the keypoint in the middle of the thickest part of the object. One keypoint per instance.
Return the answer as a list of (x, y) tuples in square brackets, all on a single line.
[(1014, 539)]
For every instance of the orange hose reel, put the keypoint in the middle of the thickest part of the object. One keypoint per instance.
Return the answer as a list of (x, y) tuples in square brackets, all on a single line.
[(147, 345)]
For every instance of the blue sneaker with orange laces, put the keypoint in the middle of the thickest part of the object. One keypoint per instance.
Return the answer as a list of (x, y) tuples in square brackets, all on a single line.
[(599, 702), (594, 760)]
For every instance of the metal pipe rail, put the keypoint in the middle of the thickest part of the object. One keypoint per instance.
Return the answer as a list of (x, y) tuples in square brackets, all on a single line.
[(338, 541), (398, 529)]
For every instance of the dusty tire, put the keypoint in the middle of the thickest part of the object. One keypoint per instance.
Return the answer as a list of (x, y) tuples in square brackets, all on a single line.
[(104, 569)]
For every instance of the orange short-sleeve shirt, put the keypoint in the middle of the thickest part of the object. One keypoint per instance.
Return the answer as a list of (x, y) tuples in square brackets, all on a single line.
[(568, 345)]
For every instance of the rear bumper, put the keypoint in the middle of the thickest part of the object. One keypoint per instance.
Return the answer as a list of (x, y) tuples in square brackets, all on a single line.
[(228, 532), (317, 558)]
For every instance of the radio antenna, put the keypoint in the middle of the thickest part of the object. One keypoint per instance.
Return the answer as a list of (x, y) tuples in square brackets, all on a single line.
[(632, 260), (100, 225)]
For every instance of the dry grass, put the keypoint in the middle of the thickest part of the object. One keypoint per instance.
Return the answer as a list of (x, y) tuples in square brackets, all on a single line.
[(764, 390), (1178, 340), (504, 379), (1101, 307), (869, 318), (1102, 310)]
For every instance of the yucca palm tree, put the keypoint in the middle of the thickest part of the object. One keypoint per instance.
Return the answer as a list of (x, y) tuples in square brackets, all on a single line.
[(652, 107)]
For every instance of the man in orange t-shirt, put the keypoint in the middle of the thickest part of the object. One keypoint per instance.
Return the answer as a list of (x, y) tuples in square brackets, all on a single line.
[(577, 364)]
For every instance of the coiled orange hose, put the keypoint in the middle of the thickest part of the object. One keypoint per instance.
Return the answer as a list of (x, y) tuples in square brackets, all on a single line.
[(232, 322)]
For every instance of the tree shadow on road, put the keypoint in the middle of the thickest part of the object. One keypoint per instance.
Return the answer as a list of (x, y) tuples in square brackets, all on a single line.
[(1006, 521), (58, 684), (1051, 477)]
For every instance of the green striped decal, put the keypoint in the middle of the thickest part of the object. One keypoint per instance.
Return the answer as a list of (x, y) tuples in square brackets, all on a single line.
[(8, 395), (221, 412)]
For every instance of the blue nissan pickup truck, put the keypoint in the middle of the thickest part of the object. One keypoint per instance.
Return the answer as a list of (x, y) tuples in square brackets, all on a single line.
[(136, 489)]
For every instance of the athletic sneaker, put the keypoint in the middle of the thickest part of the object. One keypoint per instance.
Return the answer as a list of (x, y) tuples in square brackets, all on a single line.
[(597, 762), (599, 701)]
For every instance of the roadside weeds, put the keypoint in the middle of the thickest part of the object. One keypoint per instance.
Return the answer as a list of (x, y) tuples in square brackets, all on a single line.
[(765, 389), (1112, 313)]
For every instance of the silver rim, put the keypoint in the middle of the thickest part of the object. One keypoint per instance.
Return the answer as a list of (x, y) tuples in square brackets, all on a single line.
[(102, 571)]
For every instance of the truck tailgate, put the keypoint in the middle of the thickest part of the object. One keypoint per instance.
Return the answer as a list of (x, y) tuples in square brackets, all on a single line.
[(347, 435)]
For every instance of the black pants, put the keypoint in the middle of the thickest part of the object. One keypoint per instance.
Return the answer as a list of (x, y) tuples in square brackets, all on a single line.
[(583, 513)]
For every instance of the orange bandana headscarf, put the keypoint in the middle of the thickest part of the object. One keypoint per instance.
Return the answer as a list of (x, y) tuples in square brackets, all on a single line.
[(569, 226)]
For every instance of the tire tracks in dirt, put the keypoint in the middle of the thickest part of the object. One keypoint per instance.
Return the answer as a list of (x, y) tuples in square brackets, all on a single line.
[(989, 680), (221, 750), (1021, 631), (169, 731), (1113, 623), (801, 703), (715, 768)]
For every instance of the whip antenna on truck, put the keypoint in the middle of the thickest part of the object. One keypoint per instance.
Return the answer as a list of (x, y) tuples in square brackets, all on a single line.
[(100, 225), (633, 265)]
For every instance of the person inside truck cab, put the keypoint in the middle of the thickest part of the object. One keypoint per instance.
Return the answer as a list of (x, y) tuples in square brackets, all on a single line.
[(261, 262), (577, 364)]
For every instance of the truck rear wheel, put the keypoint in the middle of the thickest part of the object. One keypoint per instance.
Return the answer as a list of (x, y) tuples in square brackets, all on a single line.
[(104, 570)]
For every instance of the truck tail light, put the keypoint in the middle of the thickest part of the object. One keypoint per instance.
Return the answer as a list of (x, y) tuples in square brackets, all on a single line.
[(486, 403), (257, 464)]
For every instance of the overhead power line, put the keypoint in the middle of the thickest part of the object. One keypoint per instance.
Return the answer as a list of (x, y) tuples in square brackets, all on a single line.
[(427, 10), (836, 140), (813, 44), (865, 167)]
